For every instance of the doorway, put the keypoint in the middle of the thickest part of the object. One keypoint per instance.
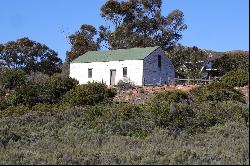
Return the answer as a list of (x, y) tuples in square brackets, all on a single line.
[(112, 77)]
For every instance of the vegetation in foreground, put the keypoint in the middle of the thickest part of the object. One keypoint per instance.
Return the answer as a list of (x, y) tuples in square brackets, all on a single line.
[(209, 125), (64, 138)]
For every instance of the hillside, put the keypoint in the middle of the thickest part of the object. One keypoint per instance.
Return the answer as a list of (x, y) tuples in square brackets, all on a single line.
[(164, 125)]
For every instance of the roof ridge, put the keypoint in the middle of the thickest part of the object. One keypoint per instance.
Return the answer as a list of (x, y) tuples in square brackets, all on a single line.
[(122, 49), (116, 55)]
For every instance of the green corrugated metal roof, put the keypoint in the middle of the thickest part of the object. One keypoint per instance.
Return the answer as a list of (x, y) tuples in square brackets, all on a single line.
[(115, 55)]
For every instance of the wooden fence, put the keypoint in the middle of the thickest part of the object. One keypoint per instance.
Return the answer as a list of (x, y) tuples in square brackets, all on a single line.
[(189, 81)]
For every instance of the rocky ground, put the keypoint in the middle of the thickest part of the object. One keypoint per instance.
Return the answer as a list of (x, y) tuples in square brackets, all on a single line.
[(141, 94)]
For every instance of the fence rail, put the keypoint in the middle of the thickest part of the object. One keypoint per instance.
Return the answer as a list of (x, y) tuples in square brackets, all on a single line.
[(191, 81)]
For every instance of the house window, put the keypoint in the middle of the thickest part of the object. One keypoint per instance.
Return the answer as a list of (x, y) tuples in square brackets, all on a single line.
[(125, 71), (159, 61), (89, 73)]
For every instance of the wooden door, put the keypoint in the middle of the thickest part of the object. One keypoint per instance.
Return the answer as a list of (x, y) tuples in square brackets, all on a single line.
[(112, 77)]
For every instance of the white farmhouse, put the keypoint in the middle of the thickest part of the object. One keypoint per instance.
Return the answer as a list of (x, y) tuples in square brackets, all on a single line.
[(140, 66)]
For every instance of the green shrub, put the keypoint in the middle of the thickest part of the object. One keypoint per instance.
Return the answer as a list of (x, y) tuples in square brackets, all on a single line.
[(2, 93), (235, 78), (49, 92), (122, 85), (12, 79), (49, 107), (232, 111), (29, 95), (43, 107), (216, 92), (88, 94), (208, 114), (2, 99), (174, 116), (181, 117), (127, 111), (120, 119), (210, 105), (197, 117), (9, 99), (94, 112), (14, 110), (3, 104), (172, 110), (129, 120), (231, 61), (166, 110), (170, 96), (57, 86)]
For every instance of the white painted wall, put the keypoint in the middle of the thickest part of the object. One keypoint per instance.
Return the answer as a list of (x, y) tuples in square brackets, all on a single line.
[(152, 74), (139, 72), (101, 71)]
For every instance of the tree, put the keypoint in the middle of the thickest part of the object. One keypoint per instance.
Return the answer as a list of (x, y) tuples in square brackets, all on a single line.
[(49, 92), (188, 56), (30, 56), (139, 23), (3, 67), (82, 41), (231, 61), (12, 79)]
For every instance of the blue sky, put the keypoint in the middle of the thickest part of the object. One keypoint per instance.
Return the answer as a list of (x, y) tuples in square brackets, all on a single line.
[(220, 25)]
